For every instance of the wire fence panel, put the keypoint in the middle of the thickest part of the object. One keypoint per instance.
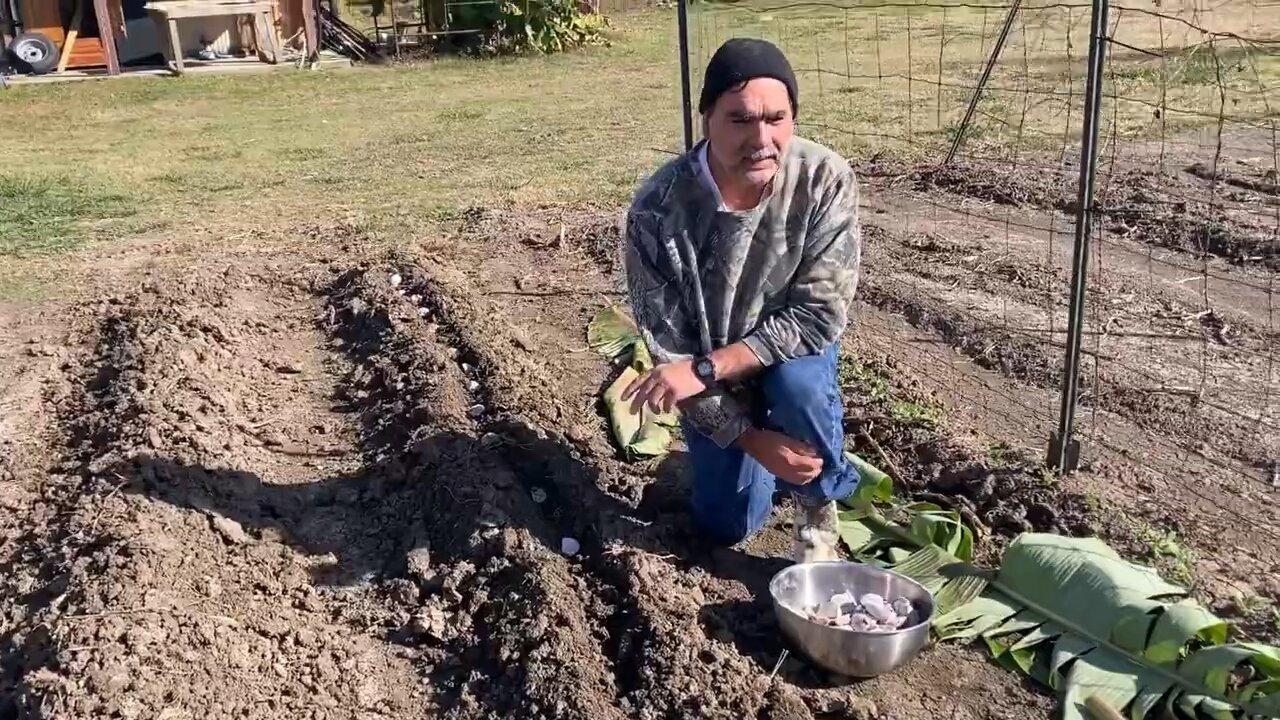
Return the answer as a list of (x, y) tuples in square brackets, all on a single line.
[(1184, 339), (1178, 330)]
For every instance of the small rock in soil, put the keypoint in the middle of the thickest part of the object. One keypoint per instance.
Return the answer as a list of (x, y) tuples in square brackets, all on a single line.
[(475, 411), (289, 368), (569, 546), (782, 703), (305, 638), (272, 437), (230, 529), (211, 587)]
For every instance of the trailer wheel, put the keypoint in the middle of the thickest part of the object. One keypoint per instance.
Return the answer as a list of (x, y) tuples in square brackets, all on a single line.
[(34, 53)]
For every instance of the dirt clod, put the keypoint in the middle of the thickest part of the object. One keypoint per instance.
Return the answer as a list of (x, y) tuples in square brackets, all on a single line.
[(230, 529)]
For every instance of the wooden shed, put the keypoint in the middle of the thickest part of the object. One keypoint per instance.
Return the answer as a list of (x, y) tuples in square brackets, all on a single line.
[(115, 35)]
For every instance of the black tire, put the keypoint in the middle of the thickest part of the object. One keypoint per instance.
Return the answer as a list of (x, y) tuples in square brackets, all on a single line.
[(34, 53)]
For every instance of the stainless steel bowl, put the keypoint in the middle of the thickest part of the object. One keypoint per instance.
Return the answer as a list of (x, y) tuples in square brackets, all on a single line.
[(840, 650)]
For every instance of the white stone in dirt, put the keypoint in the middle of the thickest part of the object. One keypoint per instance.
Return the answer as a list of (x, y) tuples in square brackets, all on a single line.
[(569, 546), (230, 529), (395, 279), (473, 386), (475, 411), (423, 312)]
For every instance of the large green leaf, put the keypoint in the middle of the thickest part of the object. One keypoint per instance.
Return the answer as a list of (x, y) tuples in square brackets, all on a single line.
[(924, 566), (873, 484), (931, 540), (639, 435), (1108, 629), (613, 333), (943, 528)]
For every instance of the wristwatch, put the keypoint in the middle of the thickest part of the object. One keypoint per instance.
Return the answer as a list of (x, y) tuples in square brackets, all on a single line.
[(705, 370)]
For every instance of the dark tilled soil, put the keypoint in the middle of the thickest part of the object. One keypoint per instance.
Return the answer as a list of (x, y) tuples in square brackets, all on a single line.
[(286, 485), (1180, 209), (306, 490), (990, 304), (1001, 495)]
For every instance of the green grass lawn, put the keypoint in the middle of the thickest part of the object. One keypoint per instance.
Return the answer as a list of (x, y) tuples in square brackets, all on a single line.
[(382, 145), (397, 148)]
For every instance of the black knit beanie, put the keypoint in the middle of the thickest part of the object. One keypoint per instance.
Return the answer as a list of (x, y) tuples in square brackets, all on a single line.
[(741, 59)]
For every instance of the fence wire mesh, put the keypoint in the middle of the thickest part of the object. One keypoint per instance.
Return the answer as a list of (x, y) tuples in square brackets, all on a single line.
[(1179, 336)]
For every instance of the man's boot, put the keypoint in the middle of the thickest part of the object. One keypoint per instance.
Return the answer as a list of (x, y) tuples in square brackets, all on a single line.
[(816, 536)]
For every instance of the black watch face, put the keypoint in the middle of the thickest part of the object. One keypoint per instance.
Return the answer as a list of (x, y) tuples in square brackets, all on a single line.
[(704, 368)]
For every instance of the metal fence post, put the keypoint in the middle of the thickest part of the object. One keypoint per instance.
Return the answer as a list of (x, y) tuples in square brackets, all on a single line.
[(982, 81), (1064, 450), (686, 102)]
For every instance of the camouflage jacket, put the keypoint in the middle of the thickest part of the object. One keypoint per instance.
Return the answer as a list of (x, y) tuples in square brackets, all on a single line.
[(779, 277)]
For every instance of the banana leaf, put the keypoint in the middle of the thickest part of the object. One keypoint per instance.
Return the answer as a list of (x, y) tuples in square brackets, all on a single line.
[(1110, 630), (868, 533), (943, 528), (874, 485), (642, 435), (614, 334), (932, 539)]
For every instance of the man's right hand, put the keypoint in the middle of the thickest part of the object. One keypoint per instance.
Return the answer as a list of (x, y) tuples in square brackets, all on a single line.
[(789, 459)]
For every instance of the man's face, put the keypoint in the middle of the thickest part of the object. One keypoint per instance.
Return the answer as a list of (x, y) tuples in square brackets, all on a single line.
[(749, 128)]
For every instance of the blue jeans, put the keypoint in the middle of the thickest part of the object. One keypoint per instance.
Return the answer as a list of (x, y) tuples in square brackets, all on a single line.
[(732, 493)]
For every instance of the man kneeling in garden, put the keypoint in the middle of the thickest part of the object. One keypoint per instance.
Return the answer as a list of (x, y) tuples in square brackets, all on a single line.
[(742, 260)]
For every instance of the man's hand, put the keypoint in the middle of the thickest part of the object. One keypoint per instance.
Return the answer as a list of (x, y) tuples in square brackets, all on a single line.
[(789, 459), (662, 387)]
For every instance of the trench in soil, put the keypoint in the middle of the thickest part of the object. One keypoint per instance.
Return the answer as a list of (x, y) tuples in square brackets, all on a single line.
[(1176, 209), (929, 280)]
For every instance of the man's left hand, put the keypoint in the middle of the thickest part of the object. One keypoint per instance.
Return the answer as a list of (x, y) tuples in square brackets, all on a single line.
[(663, 387)]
